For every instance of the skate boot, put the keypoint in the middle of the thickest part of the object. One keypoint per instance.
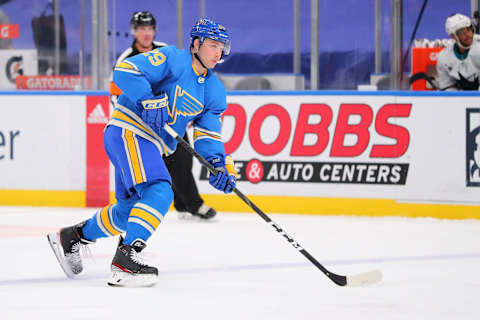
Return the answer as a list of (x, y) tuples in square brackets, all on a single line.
[(205, 212), (66, 245), (128, 268)]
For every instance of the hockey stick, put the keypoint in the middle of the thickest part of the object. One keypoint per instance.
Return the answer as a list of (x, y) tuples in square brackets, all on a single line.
[(361, 279), (423, 76)]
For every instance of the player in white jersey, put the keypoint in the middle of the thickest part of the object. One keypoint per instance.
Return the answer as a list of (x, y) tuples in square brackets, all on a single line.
[(458, 63)]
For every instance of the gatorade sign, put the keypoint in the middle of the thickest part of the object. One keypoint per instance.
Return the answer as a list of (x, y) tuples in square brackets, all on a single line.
[(9, 31)]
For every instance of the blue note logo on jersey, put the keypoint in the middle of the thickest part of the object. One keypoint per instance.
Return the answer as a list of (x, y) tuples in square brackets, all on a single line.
[(473, 147), (184, 104)]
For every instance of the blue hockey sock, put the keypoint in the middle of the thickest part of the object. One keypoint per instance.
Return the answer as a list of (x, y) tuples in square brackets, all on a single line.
[(109, 221), (148, 212)]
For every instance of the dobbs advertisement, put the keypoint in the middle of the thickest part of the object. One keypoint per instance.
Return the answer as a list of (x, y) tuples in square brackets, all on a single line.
[(408, 149)]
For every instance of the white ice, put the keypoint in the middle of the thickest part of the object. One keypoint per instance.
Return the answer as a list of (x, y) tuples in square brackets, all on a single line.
[(238, 267)]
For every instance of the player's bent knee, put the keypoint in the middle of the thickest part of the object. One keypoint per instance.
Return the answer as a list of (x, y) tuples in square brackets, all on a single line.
[(158, 195)]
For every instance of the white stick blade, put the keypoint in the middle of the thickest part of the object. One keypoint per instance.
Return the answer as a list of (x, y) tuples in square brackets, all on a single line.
[(364, 279)]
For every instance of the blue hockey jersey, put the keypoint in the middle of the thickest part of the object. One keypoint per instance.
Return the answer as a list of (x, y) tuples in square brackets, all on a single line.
[(200, 98)]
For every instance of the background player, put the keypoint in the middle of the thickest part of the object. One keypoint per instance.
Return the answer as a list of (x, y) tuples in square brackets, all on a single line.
[(162, 86), (143, 27), (458, 63)]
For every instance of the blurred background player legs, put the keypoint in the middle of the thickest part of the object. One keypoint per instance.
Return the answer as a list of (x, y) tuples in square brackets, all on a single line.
[(186, 196), (143, 27)]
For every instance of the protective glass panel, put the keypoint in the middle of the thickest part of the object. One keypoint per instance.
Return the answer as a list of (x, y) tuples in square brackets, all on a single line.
[(47, 53), (41, 50)]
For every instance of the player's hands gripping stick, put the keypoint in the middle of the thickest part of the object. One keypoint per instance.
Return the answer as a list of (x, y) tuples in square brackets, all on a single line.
[(226, 177), (155, 111)]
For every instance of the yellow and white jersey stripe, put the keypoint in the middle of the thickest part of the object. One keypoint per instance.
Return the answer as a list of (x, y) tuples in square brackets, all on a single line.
[(125, 118), (200, 134), (127, 66)]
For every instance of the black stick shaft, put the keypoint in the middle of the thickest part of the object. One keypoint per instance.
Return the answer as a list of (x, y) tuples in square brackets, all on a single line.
[(338, 279)]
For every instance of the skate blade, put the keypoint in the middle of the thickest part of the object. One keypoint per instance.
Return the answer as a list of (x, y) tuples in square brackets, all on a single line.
[(183, 215), (124, 279), (54, 241), (187, 216)]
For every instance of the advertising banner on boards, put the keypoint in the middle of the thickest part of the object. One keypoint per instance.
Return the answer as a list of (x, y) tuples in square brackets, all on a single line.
[(383, 147)]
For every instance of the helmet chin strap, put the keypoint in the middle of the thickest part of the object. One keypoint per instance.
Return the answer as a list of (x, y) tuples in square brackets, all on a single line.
[(460, 44), (198, 58), (457, 40)]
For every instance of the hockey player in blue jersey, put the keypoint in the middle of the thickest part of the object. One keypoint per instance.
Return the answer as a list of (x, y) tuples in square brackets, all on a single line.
[(163, 86)]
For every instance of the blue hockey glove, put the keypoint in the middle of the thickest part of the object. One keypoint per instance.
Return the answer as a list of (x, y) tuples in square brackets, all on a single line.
[(155, 111), (226, 176)]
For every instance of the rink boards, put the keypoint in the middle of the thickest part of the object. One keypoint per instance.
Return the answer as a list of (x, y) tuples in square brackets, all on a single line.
[(328, 152)]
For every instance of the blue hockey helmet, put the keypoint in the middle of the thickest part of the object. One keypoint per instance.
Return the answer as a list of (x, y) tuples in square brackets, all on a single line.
[(205, 28)]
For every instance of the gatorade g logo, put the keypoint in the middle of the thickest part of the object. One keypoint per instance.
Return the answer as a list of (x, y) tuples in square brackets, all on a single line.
[(9, 31), (14, 68), (473, 147)]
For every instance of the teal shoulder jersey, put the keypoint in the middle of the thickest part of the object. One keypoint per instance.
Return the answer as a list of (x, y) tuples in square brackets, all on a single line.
[(200, 98)]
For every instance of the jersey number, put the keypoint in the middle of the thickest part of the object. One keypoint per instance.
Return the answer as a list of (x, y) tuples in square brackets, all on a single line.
[(155, 57)]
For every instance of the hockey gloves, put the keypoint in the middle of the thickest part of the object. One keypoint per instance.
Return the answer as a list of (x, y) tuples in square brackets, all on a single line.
[(226, 176), (155, 111)]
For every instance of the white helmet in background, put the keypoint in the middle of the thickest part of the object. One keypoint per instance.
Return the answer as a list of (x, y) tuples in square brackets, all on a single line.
[(456, 22)]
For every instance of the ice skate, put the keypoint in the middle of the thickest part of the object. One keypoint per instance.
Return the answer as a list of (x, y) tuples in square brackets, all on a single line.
[(128, 269), (66, 245), (205, 212)]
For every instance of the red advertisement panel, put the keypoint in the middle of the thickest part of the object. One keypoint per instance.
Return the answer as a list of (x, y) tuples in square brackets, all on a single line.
[(97, 190), (9, 31), (52, 82)]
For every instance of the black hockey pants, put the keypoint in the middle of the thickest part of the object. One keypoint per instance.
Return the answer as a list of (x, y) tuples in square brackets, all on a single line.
[(186, 196)]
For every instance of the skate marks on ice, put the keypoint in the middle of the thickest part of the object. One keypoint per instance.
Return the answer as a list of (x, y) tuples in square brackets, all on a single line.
[(235, 268)]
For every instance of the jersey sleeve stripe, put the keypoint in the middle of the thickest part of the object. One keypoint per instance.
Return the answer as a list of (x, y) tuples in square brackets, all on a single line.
[(127, 66), (127, 70), (124, 65), (198, 135), (208, 132)]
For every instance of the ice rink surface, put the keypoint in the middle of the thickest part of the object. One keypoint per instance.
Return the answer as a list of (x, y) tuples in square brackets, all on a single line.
[(238, 267)]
